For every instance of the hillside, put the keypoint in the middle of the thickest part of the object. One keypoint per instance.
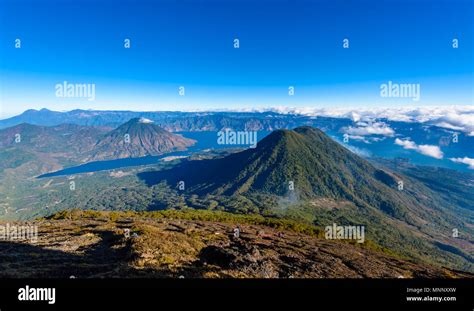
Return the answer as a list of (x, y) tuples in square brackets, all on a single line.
[(137, 138), (69, 139), (41, 149), (194, 245)]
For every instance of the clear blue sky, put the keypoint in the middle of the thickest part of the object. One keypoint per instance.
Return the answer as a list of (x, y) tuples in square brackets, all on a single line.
[(190, 43)]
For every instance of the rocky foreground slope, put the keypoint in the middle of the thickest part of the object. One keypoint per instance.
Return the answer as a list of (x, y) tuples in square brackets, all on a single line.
[(128, 245)]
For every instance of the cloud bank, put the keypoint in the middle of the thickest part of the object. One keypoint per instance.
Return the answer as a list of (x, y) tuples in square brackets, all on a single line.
[(458, 118), (465, 160), (428, 150), (364, 129)]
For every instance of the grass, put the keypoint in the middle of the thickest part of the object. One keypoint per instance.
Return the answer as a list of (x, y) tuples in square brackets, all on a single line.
[(196, 215), (218, 216)]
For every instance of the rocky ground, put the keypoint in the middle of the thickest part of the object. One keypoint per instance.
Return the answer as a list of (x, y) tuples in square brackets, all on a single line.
[(194, 249)]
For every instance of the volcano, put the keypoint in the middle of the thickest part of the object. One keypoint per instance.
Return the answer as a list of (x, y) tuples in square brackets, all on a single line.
[(137, 138)]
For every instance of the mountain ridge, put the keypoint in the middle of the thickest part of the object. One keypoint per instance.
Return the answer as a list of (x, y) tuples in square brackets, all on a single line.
[(137, 138)]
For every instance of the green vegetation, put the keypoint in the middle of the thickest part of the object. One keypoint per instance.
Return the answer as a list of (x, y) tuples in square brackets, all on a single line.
[(199, 215), (281, 224)]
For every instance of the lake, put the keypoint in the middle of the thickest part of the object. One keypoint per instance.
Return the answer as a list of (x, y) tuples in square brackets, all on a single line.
[(205, 140)]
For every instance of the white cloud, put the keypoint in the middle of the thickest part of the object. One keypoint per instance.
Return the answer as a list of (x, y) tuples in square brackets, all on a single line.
[(456, 121), (406, 143), (145, 120), (428, 150), (465, 160), (359, 138), (359, 151), (460, 118), (431, 151), (364, 129)]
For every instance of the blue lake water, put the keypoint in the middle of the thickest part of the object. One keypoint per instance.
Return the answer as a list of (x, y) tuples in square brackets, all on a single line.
[(97, 166), (205, 140)]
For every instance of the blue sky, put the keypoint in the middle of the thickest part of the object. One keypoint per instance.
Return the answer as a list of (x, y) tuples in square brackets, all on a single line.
[(190, 44)]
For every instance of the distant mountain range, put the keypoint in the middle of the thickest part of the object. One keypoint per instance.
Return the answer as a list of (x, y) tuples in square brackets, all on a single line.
[(169, 120)]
